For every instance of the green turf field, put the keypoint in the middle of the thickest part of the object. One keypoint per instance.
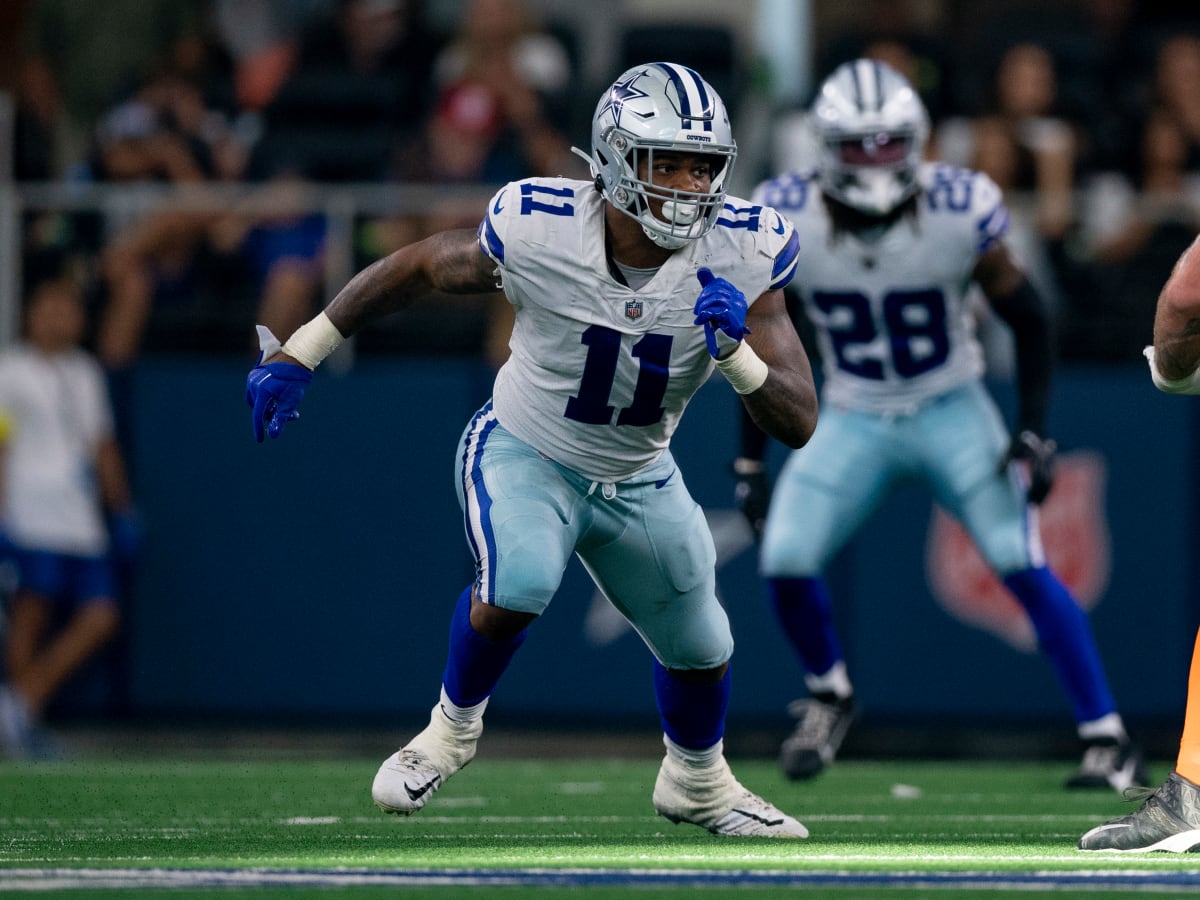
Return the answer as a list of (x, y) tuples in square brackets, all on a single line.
[(555, 828)]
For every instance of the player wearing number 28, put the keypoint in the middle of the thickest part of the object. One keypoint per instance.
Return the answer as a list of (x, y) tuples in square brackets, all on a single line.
[(628, 289), (888, 246)]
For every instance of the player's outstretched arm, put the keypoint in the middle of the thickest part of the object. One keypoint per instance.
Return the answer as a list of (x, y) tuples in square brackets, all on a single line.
[(450, 261), (1175, 356)]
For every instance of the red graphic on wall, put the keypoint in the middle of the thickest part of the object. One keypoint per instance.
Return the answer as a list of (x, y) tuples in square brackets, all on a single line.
[(1076, 538)]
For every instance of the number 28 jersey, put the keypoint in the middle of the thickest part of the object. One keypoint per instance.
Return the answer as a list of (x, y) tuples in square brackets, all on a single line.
[(891, 310), (599, 374)]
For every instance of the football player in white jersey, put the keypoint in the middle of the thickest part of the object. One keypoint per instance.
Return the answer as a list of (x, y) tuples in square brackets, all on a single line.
[(888, 246), (627, 289)]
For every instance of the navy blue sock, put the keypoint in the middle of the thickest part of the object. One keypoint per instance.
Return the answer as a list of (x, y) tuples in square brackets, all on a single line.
[(474, 664), (805, 612), (693, 715), (1065, 637)]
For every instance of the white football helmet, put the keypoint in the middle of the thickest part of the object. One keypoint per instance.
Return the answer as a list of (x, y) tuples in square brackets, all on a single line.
[(657, 107), (871, 128)]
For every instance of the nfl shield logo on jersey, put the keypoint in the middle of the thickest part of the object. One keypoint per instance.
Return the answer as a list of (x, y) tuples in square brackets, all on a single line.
[(633, 309)]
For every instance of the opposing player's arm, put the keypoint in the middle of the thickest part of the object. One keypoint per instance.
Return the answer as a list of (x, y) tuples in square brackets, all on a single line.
[(785, 406), (1176, 355)]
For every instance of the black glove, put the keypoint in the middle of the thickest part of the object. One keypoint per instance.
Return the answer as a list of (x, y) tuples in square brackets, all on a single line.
[(752, 492), (1039, 454)]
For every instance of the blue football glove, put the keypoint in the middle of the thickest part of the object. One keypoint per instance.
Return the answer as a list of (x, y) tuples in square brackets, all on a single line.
[(721, 309), (274, 390)]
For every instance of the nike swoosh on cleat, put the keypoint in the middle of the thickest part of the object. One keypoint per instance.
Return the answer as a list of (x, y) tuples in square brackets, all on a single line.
[(1100, 829), (756, 818), (417, 793)]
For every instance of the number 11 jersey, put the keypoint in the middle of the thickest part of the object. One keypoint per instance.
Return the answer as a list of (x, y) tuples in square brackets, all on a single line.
[(599, 373)]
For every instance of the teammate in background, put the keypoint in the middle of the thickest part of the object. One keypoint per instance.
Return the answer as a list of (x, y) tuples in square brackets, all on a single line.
[(888, 247), (626, 288), (60, 472), (1170, 817)]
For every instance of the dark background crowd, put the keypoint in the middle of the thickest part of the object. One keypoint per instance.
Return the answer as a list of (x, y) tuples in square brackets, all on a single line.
[(1086, 112)]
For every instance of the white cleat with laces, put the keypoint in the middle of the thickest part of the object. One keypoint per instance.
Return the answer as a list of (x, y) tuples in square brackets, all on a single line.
[(411, 775), (712, 798)]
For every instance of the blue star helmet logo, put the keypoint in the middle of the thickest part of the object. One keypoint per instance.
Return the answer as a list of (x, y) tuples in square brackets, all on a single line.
[(620, 94)]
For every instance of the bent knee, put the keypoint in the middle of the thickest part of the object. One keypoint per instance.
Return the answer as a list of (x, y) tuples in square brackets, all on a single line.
[(792, 559), (496, 623), (1006, 554)]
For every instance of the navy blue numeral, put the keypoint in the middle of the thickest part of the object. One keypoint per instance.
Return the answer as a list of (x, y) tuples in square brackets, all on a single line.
[(915, 322), (543, 199), (951, 188), (590, 405)]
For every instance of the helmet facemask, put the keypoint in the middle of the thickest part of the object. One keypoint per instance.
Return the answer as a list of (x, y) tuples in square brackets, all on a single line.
[(684, 215), (873, 173)]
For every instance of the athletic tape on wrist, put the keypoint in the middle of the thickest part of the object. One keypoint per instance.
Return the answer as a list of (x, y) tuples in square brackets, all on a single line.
[(1189, 384), (313, 341), (743, 369)]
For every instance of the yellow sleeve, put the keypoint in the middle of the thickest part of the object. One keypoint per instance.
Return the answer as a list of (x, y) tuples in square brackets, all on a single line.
[(7, 424)]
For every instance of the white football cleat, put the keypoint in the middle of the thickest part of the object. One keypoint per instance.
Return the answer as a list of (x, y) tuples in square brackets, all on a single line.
[(712, 798), (411, 775)]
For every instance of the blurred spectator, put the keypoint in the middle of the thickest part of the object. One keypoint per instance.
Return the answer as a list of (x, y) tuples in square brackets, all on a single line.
[(81, 57), (262, 37), (61, 473), (163, 134), (1104, 54), (360, 84), (499, 47), (282, 242), (1133, 231), (996, 153), (894, 32), (468, 140), (497, 81), (1175, 82), (196, 266), (1024, 103)]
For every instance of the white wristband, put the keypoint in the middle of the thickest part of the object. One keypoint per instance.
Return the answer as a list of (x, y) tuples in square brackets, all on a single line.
[(743, 369), (1189, 384), (313, 341)]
